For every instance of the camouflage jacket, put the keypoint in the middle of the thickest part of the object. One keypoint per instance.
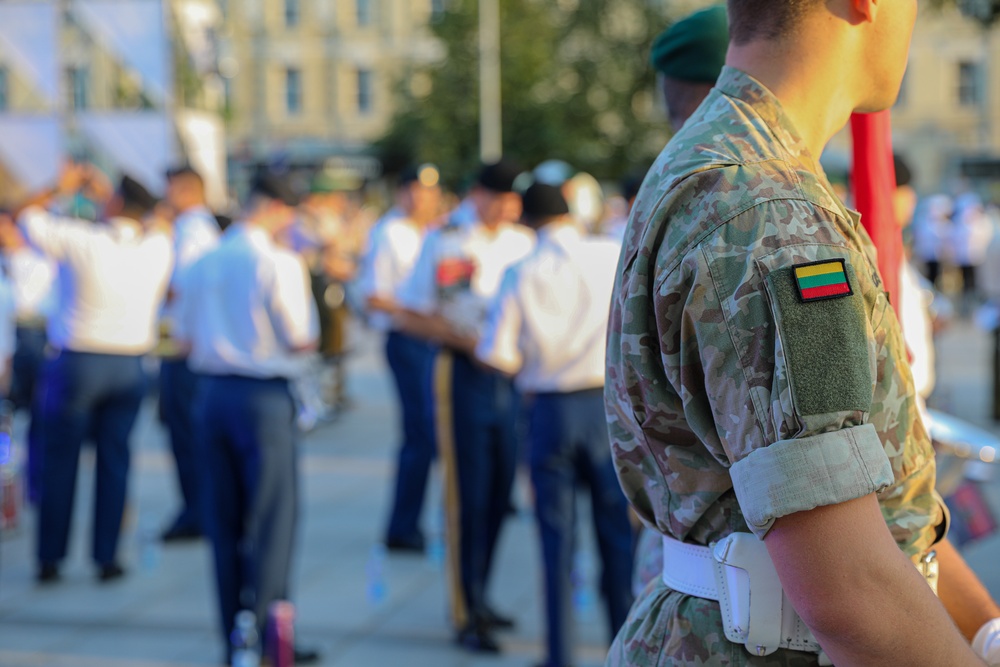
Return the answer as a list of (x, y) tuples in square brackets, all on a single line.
[(755, 366)]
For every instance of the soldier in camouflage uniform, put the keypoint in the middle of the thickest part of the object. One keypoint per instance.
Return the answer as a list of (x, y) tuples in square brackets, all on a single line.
[(687, 57), (757, 379)]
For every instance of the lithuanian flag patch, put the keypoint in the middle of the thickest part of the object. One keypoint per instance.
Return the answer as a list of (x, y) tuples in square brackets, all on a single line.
[(826, 279)]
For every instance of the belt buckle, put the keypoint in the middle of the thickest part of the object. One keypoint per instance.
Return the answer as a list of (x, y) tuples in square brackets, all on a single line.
[(930, 569)]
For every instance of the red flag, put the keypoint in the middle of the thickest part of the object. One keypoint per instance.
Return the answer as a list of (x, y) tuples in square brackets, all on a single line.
[(874, 182)]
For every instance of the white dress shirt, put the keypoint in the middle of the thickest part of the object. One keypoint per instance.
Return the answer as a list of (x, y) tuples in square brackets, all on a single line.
[(247, 309), (8, 336), (460, 268), (32, 278), (112, 280), (393, 250), (195, 233), (548, 324)]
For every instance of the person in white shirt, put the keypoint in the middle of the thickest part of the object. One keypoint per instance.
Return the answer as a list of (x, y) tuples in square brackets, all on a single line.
[(32, 280), (393, 249), (247, 315), (444, 301), (112, 280), (547, 327), (195, 233), (7, 335), (971, 233)]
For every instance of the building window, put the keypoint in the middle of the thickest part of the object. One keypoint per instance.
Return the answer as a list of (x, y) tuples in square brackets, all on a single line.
[(364, 91), (79, 88), (291, 13), (437, 8), (293, 91), (364, 12), (968, 84), (4, 91)]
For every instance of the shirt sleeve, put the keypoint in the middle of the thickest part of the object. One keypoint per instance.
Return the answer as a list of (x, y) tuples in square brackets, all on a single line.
[(7, 324), (499, 342), (778, 365), (292, 308), (51, 235), (192, 242), (182, 326), (376, 270), (419, 291)]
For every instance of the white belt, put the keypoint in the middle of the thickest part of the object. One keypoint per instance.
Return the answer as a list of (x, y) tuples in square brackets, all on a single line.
[(733, 567), (724, 573)]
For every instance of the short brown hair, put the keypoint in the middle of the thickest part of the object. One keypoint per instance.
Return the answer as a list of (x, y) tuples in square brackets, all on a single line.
[(751, 20)]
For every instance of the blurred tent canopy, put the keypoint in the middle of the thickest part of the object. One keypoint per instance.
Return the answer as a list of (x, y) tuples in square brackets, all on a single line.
[(576, 85)]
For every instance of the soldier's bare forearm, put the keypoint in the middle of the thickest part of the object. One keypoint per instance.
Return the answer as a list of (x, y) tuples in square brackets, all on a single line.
[(961, 592), (862, 597)]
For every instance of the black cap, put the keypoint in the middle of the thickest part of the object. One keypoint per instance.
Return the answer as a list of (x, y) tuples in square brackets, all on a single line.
[(135, 196), (273, 186), (499, 176), (183, 170), (543, 201), (631, 184), (425, 174)]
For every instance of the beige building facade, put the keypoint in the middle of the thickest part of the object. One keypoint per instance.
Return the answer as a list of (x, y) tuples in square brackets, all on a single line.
[(313, 78), (946, 123)]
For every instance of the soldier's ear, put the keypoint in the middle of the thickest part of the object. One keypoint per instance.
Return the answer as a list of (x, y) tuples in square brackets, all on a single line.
[(865, 10)]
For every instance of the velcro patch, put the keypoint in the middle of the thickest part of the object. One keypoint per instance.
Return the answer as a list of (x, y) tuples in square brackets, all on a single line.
[(817, 281)]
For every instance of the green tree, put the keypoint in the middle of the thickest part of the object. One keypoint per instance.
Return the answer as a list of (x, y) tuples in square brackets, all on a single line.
[(575, 84)]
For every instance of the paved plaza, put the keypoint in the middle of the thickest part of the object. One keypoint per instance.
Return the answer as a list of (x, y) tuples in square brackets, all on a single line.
[(360, 608)]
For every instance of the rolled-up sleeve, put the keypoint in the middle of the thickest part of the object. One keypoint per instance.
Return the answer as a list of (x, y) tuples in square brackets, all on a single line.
[(804, 473), (498, 345), (52, 235), (419, 292)]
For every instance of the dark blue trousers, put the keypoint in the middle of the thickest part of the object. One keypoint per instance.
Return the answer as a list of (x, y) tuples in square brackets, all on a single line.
[(411, 361), (177, 392), (29, 358), (569, 445), (247, 430), (483, 457), (86, 394)]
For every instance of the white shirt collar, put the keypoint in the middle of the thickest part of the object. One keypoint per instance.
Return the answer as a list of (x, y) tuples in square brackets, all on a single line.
[(560, 233)]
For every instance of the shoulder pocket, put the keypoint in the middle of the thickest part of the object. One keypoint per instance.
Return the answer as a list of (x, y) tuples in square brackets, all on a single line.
[(825, 340)]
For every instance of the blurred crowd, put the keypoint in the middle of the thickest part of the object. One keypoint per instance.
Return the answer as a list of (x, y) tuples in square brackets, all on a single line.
[(240, 326)]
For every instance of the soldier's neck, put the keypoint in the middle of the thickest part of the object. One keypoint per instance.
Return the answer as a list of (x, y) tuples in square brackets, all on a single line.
[(813, 88)]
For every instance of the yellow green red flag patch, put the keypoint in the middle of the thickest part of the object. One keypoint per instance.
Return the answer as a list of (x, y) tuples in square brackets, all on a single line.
[(826, 279)]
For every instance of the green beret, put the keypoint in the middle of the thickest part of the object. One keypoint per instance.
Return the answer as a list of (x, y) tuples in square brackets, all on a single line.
[(694, 48)]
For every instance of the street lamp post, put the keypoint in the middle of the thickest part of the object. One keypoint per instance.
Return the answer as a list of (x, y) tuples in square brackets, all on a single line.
[(490, 134)]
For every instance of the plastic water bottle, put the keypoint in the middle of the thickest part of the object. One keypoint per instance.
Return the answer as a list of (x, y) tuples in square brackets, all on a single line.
[(582, 577), (281, 634), (245, 641), (149, 549), (377, 588), (435, 545)]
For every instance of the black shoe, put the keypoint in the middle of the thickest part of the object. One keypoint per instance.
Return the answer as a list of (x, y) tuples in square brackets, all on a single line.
[(179, 533), (412, 545), (477, 639), (306, 656), (48, 573), (110, 572), (495, 621)]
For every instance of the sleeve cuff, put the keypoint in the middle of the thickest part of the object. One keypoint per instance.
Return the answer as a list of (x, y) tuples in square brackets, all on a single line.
[(804, 473)]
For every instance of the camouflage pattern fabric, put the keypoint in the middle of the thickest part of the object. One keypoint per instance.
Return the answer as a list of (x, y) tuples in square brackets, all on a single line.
[(705, 412)]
